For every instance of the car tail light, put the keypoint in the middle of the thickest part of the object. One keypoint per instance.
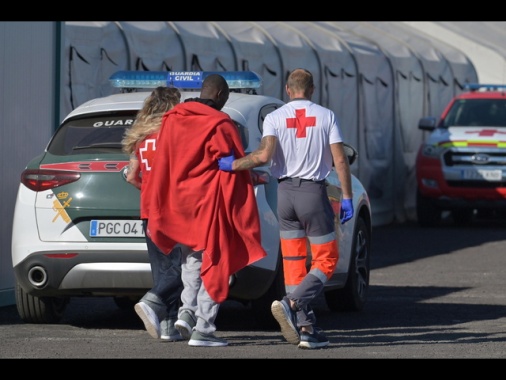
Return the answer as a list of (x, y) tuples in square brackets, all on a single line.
[(40, 180), (259, 177), (61, 255)]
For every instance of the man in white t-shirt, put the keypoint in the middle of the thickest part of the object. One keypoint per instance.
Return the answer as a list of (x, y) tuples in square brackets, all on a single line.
[(302, 139)]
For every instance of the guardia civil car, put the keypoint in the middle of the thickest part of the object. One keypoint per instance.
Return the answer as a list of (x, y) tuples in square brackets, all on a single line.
[(76, 228)]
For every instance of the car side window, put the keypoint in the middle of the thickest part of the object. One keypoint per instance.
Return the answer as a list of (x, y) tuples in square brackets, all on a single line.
[(243, 132), (267, 109)]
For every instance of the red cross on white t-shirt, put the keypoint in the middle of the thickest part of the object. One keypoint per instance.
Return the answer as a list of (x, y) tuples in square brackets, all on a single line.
[(300, 121)]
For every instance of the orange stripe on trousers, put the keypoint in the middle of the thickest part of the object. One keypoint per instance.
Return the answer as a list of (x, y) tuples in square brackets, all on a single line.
[(294, 252), (324, 257)]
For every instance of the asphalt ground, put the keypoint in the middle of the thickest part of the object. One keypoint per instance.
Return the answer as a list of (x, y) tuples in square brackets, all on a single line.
[(435, 293)]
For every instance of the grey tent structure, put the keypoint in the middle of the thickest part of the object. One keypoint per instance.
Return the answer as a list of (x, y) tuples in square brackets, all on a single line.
[(148, 45), (92, 51), (295, 51), (255, 50), (378, 77), (205, 47), (483, 42), (408, 93), (338, 87), (375, 121)]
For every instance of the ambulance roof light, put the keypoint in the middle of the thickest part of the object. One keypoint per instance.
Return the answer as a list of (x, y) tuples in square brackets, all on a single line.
[(487, 87)]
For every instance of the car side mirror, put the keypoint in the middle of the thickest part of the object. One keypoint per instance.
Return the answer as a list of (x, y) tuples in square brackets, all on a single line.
[(427, 123), (351, 153)]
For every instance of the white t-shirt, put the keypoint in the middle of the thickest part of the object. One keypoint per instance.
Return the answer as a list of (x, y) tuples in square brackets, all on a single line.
[(304, 132)]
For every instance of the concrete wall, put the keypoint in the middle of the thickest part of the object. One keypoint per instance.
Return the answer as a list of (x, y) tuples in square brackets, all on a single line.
[(29, 89)]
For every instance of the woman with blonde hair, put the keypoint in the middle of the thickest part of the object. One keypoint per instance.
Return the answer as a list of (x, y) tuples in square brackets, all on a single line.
[(158, 308)]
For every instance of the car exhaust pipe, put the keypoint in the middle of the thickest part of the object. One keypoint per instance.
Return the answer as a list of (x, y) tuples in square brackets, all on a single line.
[(37, 276)]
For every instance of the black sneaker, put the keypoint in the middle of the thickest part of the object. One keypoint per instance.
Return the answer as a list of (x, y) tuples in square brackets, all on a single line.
[(287, 319), (315, 340)]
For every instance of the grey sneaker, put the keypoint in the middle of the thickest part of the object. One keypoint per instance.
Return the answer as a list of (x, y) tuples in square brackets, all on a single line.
[(168, 331), (287, 319), (315, 340), (185, 324), (150, 319), (199, 339)]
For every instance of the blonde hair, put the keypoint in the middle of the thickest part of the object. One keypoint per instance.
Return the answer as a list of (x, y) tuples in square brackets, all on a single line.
[(300, 81), (149, 117)]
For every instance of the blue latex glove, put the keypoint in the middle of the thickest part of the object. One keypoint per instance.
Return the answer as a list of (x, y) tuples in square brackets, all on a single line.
[(225, 163), (346, 210)]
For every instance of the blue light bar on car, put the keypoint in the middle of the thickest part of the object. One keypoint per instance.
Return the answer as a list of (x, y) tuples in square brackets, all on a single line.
[(138, 79), (488, 87), (182, 79)]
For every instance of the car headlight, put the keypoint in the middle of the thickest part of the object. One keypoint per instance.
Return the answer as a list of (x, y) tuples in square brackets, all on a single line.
[(432, 151)]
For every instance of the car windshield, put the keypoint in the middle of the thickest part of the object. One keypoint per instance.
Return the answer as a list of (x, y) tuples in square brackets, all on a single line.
[(91, 134), (476, 112)]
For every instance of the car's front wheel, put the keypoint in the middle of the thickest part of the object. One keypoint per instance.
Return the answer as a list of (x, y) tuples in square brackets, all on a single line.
[(353, 295), (41, 310)]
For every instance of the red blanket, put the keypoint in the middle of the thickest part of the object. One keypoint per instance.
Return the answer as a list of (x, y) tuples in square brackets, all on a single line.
[(194, 203)]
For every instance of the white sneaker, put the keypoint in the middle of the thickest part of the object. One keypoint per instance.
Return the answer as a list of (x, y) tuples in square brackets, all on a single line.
[(287, 319), (199, 339), (185, 324), (150, 319)]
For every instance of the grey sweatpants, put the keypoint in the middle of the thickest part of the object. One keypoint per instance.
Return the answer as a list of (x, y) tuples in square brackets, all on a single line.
[(194, 296)]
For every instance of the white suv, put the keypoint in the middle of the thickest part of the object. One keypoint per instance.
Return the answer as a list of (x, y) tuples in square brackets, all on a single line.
[(76, 227)]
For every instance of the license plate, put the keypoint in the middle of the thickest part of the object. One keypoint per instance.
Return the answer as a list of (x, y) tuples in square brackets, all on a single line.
[(116, 228), (481, 174)]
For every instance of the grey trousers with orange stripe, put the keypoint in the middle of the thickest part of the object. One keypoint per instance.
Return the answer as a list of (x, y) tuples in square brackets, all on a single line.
[(306, 220)]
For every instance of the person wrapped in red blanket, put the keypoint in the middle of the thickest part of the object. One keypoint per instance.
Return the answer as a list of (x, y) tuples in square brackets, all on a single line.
[(212, 212)]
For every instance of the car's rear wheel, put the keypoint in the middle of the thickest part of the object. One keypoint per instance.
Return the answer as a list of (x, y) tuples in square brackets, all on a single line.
[(427, 213), (352, 296), (41, 310)]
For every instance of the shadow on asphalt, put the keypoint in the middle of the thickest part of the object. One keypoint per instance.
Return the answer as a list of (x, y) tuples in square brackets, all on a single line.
[(401, 243), (388, 310)]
